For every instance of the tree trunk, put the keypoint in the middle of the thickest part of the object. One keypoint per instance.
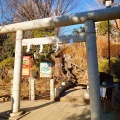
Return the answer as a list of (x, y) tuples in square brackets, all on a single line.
[(58, 68)]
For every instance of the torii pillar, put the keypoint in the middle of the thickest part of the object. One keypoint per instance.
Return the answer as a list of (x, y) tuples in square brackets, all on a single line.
[(17, 75), (93, 78)]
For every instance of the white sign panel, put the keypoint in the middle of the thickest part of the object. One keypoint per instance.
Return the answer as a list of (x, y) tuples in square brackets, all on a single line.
[(102, 91), (45, 69)]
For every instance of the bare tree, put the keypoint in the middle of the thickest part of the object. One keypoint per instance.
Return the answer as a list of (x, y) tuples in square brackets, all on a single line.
[(25, 10)]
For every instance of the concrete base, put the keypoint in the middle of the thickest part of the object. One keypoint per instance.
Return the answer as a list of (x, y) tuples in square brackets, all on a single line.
[(18, 115)]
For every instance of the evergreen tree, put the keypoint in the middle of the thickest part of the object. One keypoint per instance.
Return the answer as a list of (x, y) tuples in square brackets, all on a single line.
[(102, 27)]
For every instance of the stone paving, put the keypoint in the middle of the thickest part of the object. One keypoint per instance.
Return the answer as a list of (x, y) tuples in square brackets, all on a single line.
[(48, 110)]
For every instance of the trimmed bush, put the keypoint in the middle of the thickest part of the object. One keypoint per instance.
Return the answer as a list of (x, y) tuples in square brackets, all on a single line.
[(114, 67)]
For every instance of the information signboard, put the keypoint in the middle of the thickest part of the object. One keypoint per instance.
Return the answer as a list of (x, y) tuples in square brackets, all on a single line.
[(26, 66), (45, 69)]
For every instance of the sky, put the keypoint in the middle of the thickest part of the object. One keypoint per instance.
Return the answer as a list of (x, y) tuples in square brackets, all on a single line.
[(83, 5)]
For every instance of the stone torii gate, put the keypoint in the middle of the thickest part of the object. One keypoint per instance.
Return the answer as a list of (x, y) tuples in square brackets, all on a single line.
[(89, 18)]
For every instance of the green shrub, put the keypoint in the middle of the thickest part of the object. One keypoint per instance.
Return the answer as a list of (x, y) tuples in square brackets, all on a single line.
[(103, 27), (103, 66), (114, 67), (7, 63)]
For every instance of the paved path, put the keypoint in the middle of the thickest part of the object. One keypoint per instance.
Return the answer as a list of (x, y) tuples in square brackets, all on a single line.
[(47, 110)]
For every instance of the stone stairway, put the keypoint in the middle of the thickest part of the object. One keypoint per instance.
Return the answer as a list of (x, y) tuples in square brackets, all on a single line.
[(74, 95)]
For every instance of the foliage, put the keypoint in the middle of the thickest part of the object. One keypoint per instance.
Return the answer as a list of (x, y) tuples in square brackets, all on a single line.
[(103, 66), (114, 67), (8, 47), (45, 55), (114, 51), (43, 33), (78, 53), (79, 30), (47, 49), (7, 63), (102, 27), (2, 39)]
